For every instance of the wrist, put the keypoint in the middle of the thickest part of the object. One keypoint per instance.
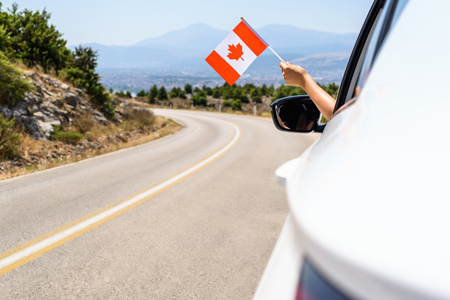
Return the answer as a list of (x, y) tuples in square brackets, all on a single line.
[(306, 82)]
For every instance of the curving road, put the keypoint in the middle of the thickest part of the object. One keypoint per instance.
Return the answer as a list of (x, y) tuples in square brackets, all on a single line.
[(193, 215)]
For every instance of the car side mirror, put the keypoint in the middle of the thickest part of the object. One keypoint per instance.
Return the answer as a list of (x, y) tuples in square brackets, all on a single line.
[(296, 114)]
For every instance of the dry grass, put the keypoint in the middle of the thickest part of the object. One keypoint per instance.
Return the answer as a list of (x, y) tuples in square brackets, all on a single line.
[(32, 146), (84, 123)]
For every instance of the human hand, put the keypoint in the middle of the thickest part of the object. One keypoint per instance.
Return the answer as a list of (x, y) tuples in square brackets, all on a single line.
[(294, 75)]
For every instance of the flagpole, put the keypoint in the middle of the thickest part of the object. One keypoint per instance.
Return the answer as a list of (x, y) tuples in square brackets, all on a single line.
[(275, 53)]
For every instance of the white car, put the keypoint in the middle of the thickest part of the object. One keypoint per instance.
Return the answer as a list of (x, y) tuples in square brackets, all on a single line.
[(369, 201)]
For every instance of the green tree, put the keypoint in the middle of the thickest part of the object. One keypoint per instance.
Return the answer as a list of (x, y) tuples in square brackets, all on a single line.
[(281, 92), (81, 72), (162, 93), (207, 90), (216, 92), (181, 94), (81, 69), (141, 93), (227, 93), (12, 86), (254, 94), (153, 93), (240, 94), (227, 103), (236, 105), (35, 41), (270, 90), (197, 90), (174, 92), (200, 98), (263, 90), (188, 88)]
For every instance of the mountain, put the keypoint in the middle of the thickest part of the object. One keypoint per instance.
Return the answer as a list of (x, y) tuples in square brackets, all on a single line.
[(196, 36), (183, 52), (290, 39)]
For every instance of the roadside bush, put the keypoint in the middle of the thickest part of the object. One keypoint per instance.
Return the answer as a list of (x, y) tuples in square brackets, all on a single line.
[(140, 118), (12, 86), (84, 123), (200, 99), (10, 138), (69, 137), (236, 105), (227, 103)]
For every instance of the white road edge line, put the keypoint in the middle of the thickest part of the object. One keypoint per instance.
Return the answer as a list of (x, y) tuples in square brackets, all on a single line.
[(7, 261)]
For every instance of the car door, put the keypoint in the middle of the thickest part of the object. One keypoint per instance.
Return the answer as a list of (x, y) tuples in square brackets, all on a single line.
[(380, 20)]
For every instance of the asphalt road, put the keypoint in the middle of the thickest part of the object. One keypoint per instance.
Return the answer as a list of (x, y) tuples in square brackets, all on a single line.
[(157, 225)]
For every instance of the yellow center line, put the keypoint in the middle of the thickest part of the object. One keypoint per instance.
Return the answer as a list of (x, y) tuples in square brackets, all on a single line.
[(13, 258)]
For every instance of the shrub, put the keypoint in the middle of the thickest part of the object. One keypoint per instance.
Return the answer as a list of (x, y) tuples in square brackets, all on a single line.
[(200, 98), (236, 105), (227, 103), (84, 123), (10, 138), (141, 118), (69, 137), (12, 87)]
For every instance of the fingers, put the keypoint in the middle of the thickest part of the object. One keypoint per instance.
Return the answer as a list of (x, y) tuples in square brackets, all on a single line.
[(284, 65)]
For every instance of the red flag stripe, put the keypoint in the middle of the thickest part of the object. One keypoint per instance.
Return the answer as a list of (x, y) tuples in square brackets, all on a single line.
[(250, 38), (222, 67)]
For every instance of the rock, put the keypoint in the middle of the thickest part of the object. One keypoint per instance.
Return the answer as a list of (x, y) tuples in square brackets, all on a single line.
[(58, 102), (44, 117), (117, 120), (39, 116), (31, 98), (83, 106), (99, 117), (54, 123), (72, 99), (31, 75), (7, 113), (33, 126), (65, 87), (48, 93), (19, 111), (46, 128), (49, 107)]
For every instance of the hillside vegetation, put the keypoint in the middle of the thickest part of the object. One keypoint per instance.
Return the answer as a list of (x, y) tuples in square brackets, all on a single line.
[(53, 110), (27, 37), (235, 98)]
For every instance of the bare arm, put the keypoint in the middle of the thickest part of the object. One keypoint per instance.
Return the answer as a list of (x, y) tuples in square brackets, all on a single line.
[(297, 76)]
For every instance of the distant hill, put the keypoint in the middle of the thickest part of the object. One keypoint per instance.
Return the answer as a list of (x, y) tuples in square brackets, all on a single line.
[(183, 52)]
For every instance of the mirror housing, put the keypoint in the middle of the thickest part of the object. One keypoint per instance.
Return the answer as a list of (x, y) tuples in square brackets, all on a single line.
[(296, 114)]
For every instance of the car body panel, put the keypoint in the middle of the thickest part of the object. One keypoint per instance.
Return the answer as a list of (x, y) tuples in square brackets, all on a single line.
[(369, 201)]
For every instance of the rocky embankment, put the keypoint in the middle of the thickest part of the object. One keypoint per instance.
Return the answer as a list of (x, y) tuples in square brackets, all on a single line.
[(54, 103)]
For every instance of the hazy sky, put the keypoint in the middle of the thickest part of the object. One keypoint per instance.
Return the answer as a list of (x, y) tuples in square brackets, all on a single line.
[(112, 22)]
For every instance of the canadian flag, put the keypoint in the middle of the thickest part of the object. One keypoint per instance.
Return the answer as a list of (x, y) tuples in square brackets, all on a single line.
[(236, 52)]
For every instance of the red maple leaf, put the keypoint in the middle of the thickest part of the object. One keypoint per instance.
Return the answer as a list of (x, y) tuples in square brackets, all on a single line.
[(235, 51)]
